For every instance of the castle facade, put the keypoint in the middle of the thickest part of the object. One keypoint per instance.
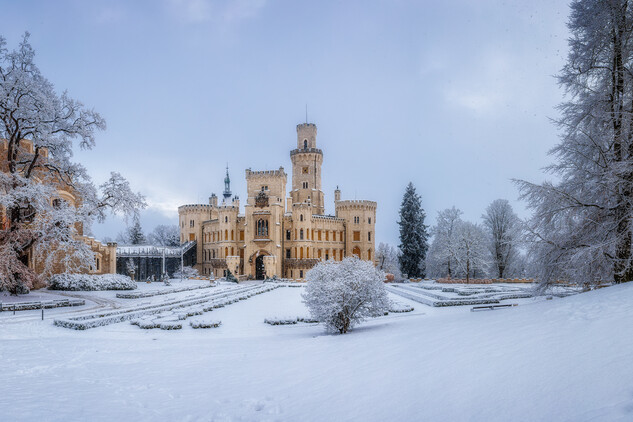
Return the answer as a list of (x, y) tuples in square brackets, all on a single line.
[(279, 235)]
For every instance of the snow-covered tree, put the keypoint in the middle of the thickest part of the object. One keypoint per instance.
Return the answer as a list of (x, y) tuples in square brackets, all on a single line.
[(387, 260), (341, 294), (135, 233), (442, 256), (504, 234), (37, 130), (165, 235), (472, 254), (582, 227), (413, 235)]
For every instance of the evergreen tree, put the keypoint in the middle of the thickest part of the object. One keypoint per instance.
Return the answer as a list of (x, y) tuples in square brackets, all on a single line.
[(413, 234), (135, 234)]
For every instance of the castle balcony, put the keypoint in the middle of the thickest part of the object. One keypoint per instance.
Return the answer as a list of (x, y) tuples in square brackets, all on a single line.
[(306, 151)]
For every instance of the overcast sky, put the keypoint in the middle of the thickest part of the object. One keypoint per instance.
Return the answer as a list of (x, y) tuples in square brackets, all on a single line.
[(454, 96)]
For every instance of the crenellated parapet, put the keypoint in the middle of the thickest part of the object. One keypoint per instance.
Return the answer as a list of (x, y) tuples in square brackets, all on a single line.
[(265, 173), (356, 204)]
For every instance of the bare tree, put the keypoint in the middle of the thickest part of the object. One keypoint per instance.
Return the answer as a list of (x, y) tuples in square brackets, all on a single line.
[(442, 256), (387, 257), (582, 230), (165, 235), (472, 254), (504, 233)]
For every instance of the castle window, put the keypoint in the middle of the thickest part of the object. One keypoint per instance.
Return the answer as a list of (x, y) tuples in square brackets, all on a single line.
[(226, 252), (369, 254), (319, 252), (262, 228), (369, 220), (300, 273), (369, 236), (226, 219), (301, 217), (232, 235), (288, 253), (356, 220), (356, 251), (226, 234), (287, 234), (327, 235), (241, 234), (213, 253), (191, 223), (305, 144), (301, 234), (98, 262), (356, 237), (301, 252), (327, 255)]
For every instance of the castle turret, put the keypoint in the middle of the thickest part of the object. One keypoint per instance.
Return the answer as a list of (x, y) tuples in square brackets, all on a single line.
[(306, 169), (337, 195)]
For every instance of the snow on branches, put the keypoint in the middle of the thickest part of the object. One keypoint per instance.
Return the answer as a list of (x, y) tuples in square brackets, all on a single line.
[(342, 294), (46, 200)]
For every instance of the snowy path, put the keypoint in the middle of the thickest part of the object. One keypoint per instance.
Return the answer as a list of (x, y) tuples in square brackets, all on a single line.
[(561, 360)]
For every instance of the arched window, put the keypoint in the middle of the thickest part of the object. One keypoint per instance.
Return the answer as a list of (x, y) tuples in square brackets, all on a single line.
[(226, 219), (369, 254), (301, 217), (226, 234), (226, 252), (301, 252), (232, 235), (301, 234), (305, 144), (262, 228)]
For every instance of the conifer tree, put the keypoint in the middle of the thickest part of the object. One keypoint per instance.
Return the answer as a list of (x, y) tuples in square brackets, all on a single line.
[(135, 233), (413, 234)]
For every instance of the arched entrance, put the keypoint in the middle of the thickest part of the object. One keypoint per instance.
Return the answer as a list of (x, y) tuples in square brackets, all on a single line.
[(259, 267), (256, 262)]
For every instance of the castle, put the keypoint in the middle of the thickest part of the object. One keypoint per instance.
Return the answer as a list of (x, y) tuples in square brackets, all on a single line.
[(278, 235)]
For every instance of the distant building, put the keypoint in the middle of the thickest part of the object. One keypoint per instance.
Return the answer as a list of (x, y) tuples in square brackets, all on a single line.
[(279, 236)]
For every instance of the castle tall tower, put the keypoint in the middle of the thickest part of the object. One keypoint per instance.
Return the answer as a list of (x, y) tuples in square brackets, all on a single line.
[(306, 169)]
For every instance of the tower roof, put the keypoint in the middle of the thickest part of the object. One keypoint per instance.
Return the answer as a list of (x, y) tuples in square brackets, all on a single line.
[(227, 185)]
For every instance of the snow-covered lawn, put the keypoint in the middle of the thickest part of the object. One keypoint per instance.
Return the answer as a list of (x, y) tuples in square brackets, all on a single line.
[(567, 359)]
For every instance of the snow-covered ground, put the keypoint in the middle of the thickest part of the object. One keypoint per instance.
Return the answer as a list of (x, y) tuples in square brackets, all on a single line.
[(567, 359)]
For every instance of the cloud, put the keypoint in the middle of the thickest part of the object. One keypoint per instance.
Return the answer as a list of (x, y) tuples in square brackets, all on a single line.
[(219, 11)]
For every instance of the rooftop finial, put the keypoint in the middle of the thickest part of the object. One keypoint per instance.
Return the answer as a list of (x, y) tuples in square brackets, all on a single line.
[(227, 184)]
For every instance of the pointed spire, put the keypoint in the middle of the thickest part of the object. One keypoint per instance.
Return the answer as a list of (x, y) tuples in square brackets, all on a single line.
[(227, 184)]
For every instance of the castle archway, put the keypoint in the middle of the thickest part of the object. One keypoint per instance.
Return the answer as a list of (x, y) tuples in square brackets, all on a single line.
[(257, 264)]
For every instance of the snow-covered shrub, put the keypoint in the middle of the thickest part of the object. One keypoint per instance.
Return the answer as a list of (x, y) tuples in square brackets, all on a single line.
[(186, 272), (397, 307), (344, 293), (170, 325), (281, 321), (91, 282), (205, 324), (307, 320)]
